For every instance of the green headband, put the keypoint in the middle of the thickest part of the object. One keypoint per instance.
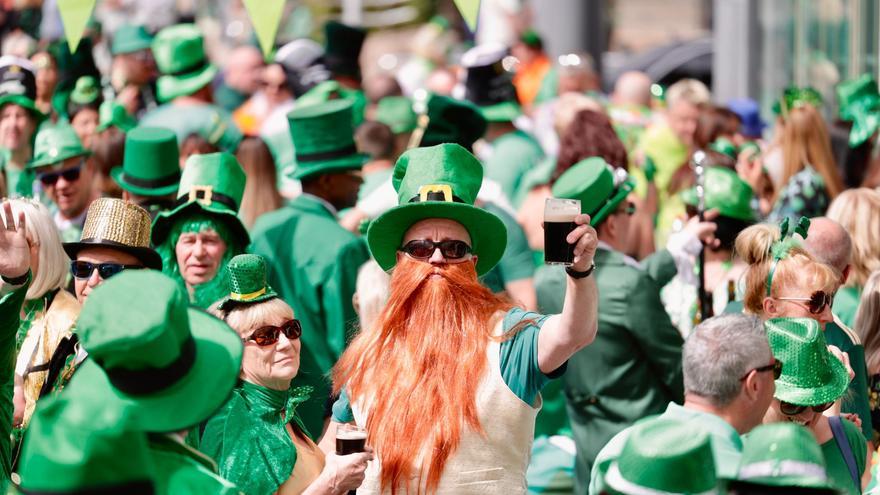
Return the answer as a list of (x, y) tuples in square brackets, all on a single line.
[(780, 249)]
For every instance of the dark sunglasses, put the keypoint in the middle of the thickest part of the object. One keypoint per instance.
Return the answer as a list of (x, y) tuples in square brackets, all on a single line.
[(794, 410), (84, 269), (776, 366), (268, 335), (423, 249), (70, 175), (815, 303)]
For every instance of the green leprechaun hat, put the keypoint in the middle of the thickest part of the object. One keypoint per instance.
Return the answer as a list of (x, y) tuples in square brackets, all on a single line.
[(859, 103), (323, 137), (170, 366), (726, 192), (64, 452), (151, 163), (599, 188), (811, 375), (247, 281), (179, 51), (437, 182), (489, 85), (793, 97), (130, 39), (18, 84), (397, 113), (782, 455), (54, 144), (452, 121), (213, 184), (663, 456), (86, 91), (113, 114)]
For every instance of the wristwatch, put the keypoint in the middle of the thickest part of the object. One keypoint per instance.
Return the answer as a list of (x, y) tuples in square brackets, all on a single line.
[(578, 275)]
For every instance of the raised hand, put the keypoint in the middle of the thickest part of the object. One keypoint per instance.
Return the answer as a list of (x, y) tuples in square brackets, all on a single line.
[(15, 254), (585, 242)]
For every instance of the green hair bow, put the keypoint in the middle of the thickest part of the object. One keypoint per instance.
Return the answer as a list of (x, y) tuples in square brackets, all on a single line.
[(779, 250), (794, 97), (860, 104)]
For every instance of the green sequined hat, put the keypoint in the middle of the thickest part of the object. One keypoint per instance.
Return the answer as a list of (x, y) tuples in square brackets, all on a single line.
[(151, 162), (247, 281), (859, 103), (811, 375), (783, 455), (397, 113), (599, 188), (86, 91), (323, 137), (726, 192), (113, 114), (180, 56), (793, 97), (54, 144), (130, 39)]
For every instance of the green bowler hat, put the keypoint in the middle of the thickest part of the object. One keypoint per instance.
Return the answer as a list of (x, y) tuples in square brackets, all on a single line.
[(397, 113), (323, 137), (664, 456), (437, 182), (54, 144), (212, 184), (859, 103), (113, 114), (811, 375), (130, 39), (151, 164), (726, 192), (247, 281), (86, 91), (179, 51), (65, 452), (599, 188), (168, 365), (783, 455), (452, 121)]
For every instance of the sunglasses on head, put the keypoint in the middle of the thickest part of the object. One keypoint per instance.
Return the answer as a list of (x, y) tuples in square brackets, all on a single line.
[(794, 410), (70, 175), (84, 269), (423, 249), (776, 366), (629, 209), (816, 303), (268, 335)]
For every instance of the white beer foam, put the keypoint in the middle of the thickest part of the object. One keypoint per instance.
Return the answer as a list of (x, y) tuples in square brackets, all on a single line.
[(559, 217), (351, 435)]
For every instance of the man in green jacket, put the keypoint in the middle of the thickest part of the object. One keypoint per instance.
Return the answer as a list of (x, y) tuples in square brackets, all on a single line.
[(313, 260)]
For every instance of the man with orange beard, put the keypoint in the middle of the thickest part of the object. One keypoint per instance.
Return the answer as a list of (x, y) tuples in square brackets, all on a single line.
[(447, 380)]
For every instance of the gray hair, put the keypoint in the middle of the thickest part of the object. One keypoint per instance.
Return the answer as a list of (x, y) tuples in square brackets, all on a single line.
[(719, 352), (829, 243)]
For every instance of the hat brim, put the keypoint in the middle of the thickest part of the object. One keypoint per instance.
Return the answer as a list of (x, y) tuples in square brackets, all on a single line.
[(26, 103), (689, 197), (194, 398), (164, 220), (614, 479), (229, 303), (599, 216), (170, 87), (131, 46), (148, 256), (487, 231), (55, 160), (351, 162), (118, 175), (507, 111), (830, 392)]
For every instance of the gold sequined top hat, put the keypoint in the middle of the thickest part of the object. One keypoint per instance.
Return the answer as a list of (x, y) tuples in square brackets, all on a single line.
[(120, 225)]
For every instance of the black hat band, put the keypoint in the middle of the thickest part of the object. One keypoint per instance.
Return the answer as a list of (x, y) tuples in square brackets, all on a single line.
[(168, 180), (149, 380), (191, 68), (326, 155)]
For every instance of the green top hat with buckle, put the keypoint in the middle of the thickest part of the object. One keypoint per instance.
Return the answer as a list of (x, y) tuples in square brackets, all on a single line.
[(129, 39), (489, 83), (663, 456), (599, 188), (437, 182), (247, 281), (726, 192), (179, 51), (783, 455), (811, 375), (54, 144), (859, 103), (151, 164), (113, 114), (170, 366), (18, 84), (119, 225), (397, 113), (323, 137), (212, 184), (86, 91), (447, 120)]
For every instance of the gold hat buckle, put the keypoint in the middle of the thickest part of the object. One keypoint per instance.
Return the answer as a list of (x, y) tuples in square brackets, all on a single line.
[(430, 192), (207, 192)]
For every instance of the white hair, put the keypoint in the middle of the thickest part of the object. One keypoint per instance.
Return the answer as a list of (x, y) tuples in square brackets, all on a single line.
[(689, 90), (54, 264), (372, 288)]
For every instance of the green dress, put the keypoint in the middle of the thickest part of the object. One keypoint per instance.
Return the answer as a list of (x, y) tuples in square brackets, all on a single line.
[(313, 264), (11, 300), (513, 155), (209, 121), (181, 469), (836, 465)]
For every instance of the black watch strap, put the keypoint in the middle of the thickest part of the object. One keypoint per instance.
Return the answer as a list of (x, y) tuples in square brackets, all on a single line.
[(578, 275), (17, 280)]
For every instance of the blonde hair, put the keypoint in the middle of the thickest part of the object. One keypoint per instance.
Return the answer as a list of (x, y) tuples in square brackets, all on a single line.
[(51, 274), (805, 142), (246, 318), (689, 90), (867, 324), (858, 211), (568, 105), (260, 192), (797, 269), (372, 287)]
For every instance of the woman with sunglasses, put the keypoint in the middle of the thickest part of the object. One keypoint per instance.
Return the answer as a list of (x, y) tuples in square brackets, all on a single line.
[(257, 439)]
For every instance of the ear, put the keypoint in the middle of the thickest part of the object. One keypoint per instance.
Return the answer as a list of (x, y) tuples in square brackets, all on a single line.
[(355, 302), (771, 309), (845, 276), (750, 385)]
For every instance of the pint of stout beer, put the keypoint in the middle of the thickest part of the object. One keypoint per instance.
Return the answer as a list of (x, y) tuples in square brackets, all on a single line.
[(558, 223), (350, 439)]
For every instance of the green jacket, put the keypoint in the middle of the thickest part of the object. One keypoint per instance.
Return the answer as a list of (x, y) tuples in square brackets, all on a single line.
[(181, 469), (10, 311), (313, 264), (513, 154)]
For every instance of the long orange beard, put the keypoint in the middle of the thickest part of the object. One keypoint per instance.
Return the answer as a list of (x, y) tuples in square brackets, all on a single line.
[(419, 366)]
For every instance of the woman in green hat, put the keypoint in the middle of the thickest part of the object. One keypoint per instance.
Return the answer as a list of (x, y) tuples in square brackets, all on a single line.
[(257, 439), (82, 108), (19, 119)]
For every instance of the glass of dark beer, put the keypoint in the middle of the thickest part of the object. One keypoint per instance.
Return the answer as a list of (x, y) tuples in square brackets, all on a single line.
[(350, 439), (558, 223)]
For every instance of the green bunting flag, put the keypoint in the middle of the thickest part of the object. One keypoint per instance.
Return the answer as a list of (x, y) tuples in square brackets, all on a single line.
[(469, 10), (75, 15), (266, 16)]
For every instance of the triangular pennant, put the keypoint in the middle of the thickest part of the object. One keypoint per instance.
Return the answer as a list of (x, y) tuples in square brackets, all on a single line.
[(265, 16), (75, 15), (470, 10)]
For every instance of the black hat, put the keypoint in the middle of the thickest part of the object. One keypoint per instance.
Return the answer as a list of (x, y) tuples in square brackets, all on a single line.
[(488, 84), (452, 121), (303, 63), (343, 48), (18, 84)]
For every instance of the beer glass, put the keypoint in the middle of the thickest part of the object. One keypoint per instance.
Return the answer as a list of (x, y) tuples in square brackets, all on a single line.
[(350, 439), (558, 223)]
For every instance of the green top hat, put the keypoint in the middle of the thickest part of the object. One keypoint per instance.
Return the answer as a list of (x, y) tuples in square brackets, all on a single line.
[(323, 137), (793, 97), (784, 455), (664, 456), (397, 113), (54, 144), (860, 104), (213, 184), (65, 452), (343, 48), (489, 85), (86, 91), (811, 375), (120, 225), (726, 192), (598, 187), (170, 366), (112, 113), (151, 165), (130, 39), (437, 182), (452, 121), (18, 84), (180, 56), (247, 281)]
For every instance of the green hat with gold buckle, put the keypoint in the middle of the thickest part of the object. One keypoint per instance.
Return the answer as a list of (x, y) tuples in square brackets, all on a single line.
[(151, 162), (323, 137), (782, 455), (247, 281), (599, 188), (213, 184), (859, 103), (726, 192), (179, 51), (437, 182), (54, 144)]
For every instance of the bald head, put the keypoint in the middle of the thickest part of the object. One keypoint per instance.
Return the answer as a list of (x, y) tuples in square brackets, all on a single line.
[(632, 88), (243, 68), (829, 242)]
